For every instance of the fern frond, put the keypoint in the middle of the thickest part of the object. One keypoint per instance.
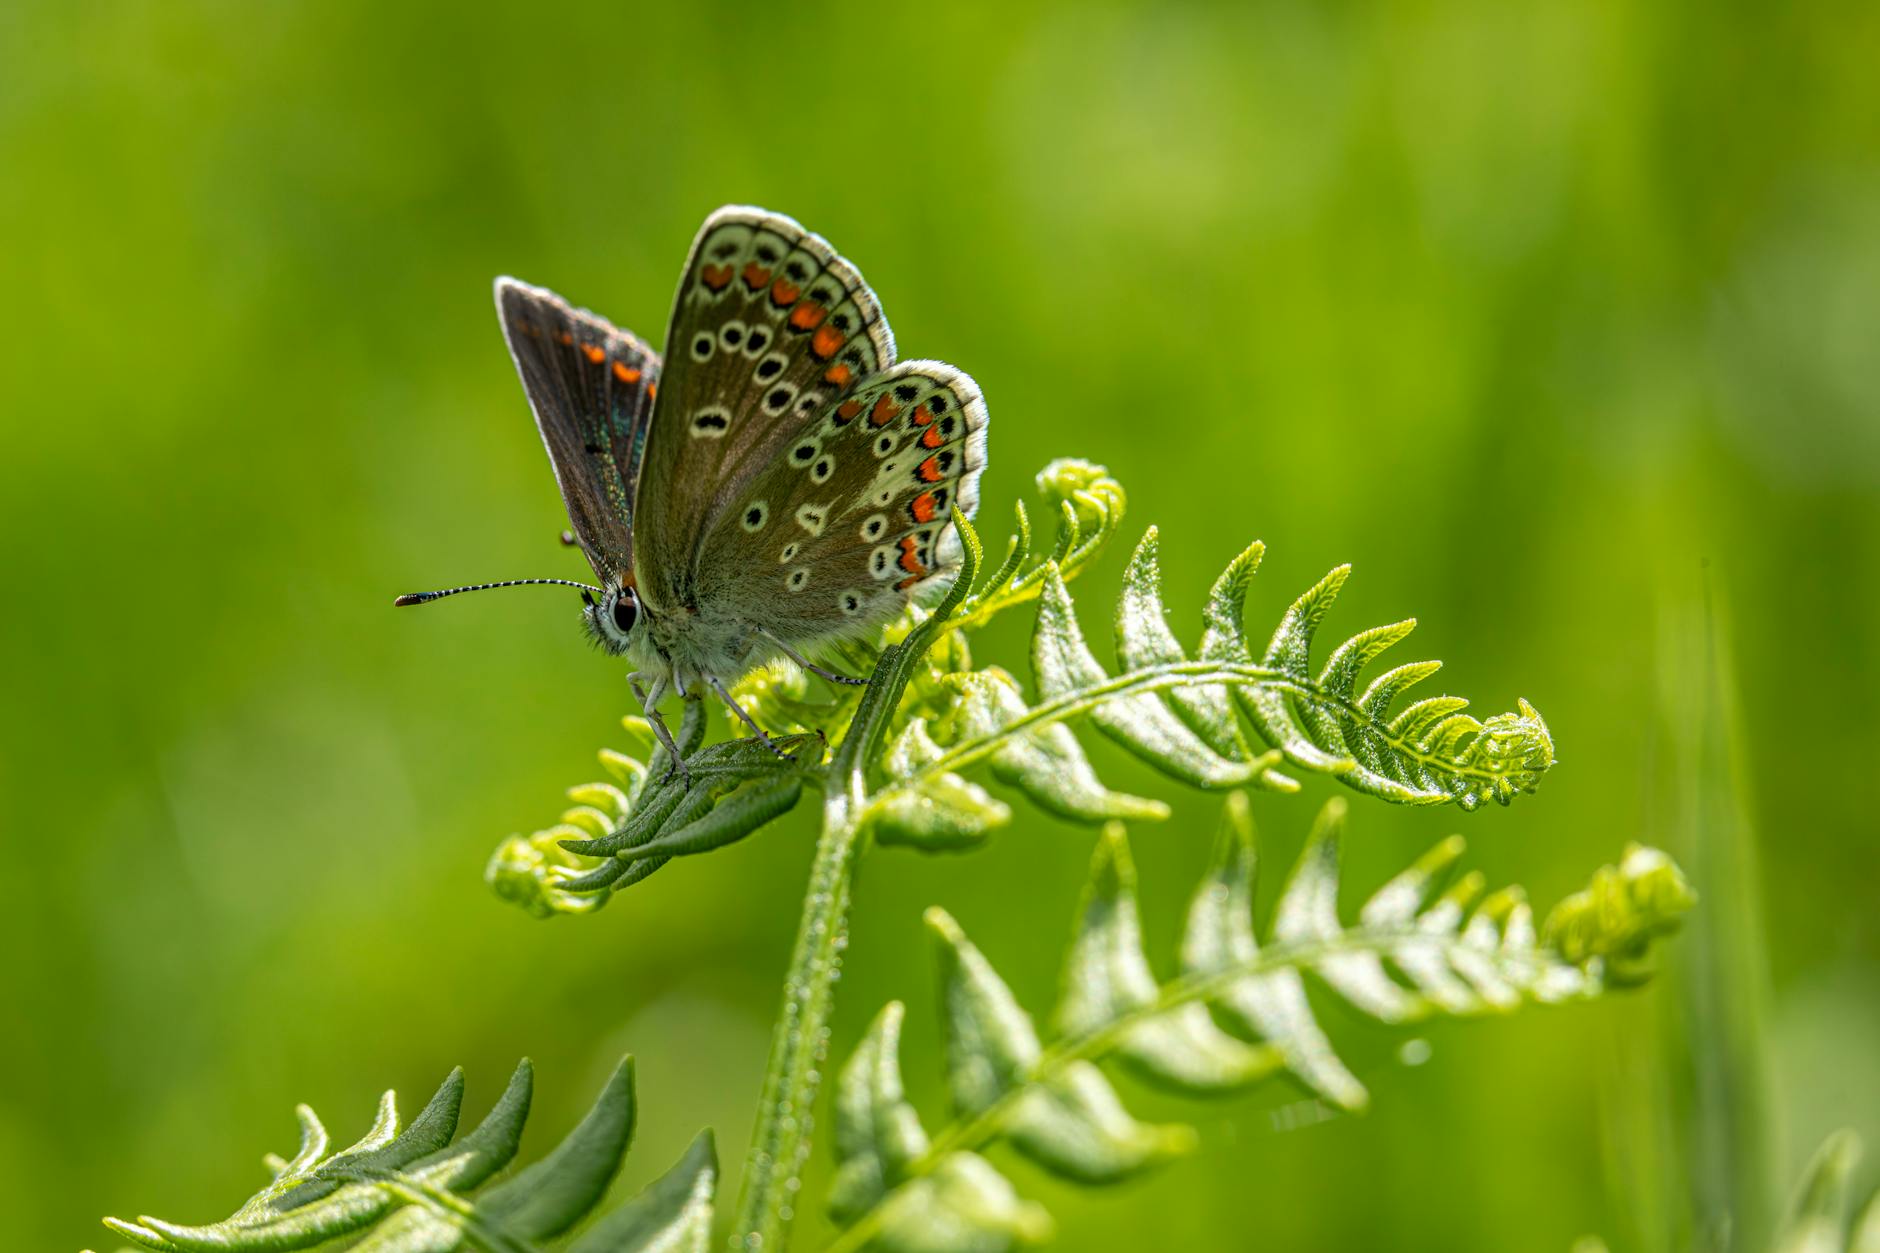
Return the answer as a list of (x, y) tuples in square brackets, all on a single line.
[(1415, 949), (621, 832), (1615, 918), (1089, 504), (1428, 752), (417, 1191), (927, 714), (1188, 718)]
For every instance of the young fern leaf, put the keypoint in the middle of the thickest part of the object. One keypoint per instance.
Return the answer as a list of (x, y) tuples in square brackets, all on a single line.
[(621, 832), (1090, 507), (1414, 950), (907, 737), (1427, 753), (417, 1191), (1185, 717), (943, 812)]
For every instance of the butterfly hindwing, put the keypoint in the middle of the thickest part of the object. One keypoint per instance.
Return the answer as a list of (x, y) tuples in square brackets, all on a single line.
[(854, 512), (770, 330), (592, 388)]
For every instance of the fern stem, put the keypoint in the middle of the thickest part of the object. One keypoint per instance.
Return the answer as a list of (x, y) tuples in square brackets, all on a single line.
[(983, 1128), (454, 1210), (781, 1140), (1083, 700), (1157, 679)]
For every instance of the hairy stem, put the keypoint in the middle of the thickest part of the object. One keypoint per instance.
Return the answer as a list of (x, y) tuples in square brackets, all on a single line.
[(781, 1141), (773, 1168)]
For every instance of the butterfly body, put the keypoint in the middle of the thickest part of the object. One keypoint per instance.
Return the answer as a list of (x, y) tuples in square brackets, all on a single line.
[(775, 483)]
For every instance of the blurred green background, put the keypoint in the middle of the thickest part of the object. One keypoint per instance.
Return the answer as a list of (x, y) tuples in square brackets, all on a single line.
[(1557, 319)]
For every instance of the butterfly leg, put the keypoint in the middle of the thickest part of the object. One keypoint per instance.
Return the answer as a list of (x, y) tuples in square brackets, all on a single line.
[(649, 703), (724, 694), (809, 665)]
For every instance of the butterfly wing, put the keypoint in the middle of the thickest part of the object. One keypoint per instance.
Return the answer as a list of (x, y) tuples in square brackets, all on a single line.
[(592, 388), (770, 330), (853, 514)]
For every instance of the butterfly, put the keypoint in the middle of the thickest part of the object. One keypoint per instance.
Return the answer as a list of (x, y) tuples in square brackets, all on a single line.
[(777, 483)]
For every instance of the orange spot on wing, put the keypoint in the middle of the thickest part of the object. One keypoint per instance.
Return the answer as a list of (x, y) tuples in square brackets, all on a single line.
[(652, 390), (933, 438), (910, 556), (846, 411), (922, 415), (838, 374), (594, 352), (907, 582), (929, 470), (755, 276), (565, 338), (925, 507), (827, 342), (626, 373), (808, 316), (715, 277), (884, 411), (784, 292)]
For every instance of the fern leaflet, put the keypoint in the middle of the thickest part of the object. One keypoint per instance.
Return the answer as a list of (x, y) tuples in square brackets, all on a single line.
[(418, 1191), (1416, 949)]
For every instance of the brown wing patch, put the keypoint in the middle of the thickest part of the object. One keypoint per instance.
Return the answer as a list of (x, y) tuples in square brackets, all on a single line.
[(856, 507), (772, 328), (591, 387)]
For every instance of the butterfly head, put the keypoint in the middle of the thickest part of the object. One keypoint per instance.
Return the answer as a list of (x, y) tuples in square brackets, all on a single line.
[(613, 619)]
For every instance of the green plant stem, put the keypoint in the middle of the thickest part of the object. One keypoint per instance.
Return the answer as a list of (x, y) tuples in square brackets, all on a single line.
[(455, 1211), (781, 1140), (989, 1123), (773, 1167)]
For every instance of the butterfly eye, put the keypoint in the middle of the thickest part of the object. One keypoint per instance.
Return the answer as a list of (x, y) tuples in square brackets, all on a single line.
[(626, 610)]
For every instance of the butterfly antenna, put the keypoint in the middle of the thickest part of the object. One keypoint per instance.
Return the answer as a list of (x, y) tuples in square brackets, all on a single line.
[(419, 598)]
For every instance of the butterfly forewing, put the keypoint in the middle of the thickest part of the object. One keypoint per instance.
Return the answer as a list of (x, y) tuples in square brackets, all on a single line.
[(770, 330), (592, 388)]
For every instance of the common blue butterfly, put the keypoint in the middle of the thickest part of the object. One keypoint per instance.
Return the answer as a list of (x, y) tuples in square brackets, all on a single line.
[(779, 482)]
